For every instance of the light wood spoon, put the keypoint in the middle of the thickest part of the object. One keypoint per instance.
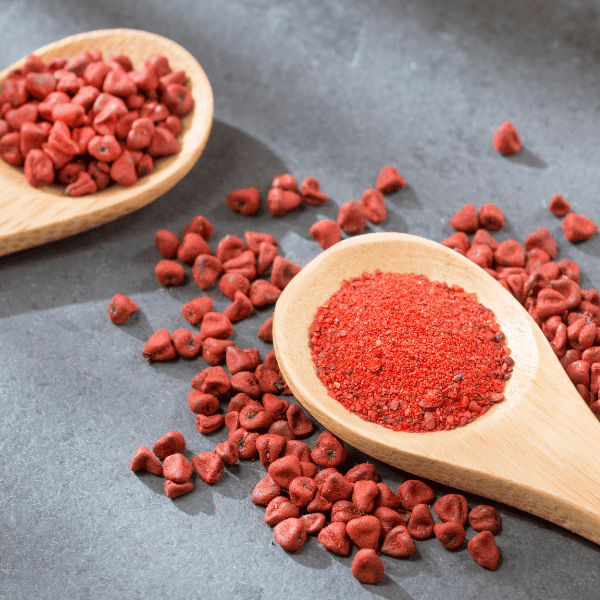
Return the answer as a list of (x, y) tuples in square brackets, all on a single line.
[(537, 450), (30, 216)]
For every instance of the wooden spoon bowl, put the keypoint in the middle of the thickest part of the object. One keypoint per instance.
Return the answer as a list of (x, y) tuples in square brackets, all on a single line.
[(537, 450), (30, 216)]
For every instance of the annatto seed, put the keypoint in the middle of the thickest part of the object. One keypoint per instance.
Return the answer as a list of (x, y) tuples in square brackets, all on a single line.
[(245, 201), (420, 524), (215, 325), (386, 497), (313, 522), (280, 509), (212, 380), (227, 452), (490, 217), (388, 519), (299, 422), (214, 350), (240, 308), (177, 468), (192, 246), (208, 466), (202, 404), (169, 272), (465, 219), (166, 243), (245, 382), (364, 531), (284, 470), (506, 139), (482, 547), (206, 270), (283, 271), (265, 491), (451, 534), (194, 310), (265, 257), (310, 192), (144, 460), (326, 233), (559, 206), (290, 534), (159, 347), (413, 492), (254, 239), (351, 218), (246, 443), (263, 293), (367, 566), (265, 331), (373, 205), (229, 247), (336, 487), (363, 472), (200, 225), (484, 518), (187, 343), (578, 228), (208, 424), (452, 507), (174, 490), (120, 308), (398, 543), (389, 180), (253, 416), (364, 494), (230, 283), (270, 447), (244, 264), (335, 538), (328, 451), (172, 442), (302, 490)]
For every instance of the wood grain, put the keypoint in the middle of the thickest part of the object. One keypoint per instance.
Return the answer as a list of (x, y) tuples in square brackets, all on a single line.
[(536, 450), (31, 216)]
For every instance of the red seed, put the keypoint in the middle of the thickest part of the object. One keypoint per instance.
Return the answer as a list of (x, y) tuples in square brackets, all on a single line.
[(386, 497), (270, 447), (559, 206), (309, 190), (328, 451), (187, 344), (541, 238), (265, 491), (367, 566), (254, 239), (192, 246), (265, 331), (208, 466), (413, 492), (120, 308), (227, 452), (458, 241), (177, 468), (174, 490), (398, 543), (452, 507), (245, 201), (284, 470), (263, 293), (201, 403), (206, 270), (484, 518), (326, 233), (490, 217), (290, 534), (364, 494), (281, 201), (482, 547), (465, 219), (388, 518), (144, 460), (172, 442), (253, 416), (230, 283), (420, 524), (373, 205), (169, 272), (295, 447), (578, 228), (299, 422), (283, 271), (213, 350), (336, 487), (194, 310), (286, 181), (506, 139), (510, 254), (351, 218), (200, 225), (239, 309), (244, 264), (268, 379), (389, 180), (215, 325), (313, 523), (159, 347), (229, 247), (451, 534), (212, 380), (245, 382), (335, 538), (166, 243), (208, 424), (279, 509), (302, 490)]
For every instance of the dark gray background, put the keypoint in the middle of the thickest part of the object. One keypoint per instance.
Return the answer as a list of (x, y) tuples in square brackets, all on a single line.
[(330, 89)]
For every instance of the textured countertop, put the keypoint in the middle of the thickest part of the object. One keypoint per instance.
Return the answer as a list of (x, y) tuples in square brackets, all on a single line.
[(333, 90)]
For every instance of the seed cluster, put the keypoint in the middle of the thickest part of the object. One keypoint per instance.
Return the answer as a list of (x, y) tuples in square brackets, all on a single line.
[(87, 122)]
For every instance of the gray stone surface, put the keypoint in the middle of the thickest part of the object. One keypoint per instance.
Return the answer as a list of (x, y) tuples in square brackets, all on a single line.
[(329, 89)]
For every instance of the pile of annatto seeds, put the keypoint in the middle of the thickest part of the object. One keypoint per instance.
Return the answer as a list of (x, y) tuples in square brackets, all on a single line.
[(89, 122), (304, 490)]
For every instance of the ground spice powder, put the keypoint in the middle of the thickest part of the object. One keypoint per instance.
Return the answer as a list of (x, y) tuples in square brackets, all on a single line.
[(410, 354)]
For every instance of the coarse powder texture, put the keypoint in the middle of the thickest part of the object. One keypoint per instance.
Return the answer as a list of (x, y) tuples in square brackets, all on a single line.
[(408, 353)]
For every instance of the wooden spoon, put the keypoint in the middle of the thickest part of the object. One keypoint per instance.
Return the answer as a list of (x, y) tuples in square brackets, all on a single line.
[(30, 216), (537, 450)]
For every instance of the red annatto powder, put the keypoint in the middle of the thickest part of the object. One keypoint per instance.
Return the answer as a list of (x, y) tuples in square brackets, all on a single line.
[(410, 354)]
